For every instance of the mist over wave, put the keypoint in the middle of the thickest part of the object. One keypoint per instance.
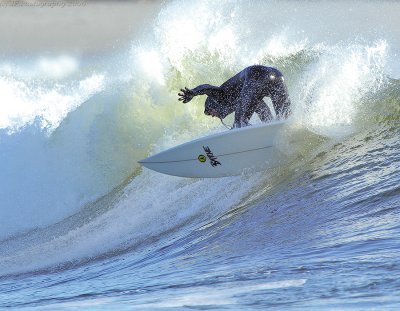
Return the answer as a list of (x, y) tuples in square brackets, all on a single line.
[(72, 129)]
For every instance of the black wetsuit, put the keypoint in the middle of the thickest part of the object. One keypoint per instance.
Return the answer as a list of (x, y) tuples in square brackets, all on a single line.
[(243, 94)]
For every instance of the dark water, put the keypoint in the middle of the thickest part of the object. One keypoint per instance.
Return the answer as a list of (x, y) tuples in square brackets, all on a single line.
[(84, 227)]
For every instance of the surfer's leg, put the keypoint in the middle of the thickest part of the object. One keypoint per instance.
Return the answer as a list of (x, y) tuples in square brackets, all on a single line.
[(280, 101), (263, 112), (252, 92), (241, 107), (246, 106)]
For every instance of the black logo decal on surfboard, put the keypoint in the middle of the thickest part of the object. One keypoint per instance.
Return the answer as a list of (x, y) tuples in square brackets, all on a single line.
[(213, 159)]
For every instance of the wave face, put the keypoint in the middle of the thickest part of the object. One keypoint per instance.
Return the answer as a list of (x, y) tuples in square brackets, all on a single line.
[(79, 216)]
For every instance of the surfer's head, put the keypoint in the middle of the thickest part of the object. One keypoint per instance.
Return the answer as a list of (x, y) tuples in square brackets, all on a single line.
[(213, 108)]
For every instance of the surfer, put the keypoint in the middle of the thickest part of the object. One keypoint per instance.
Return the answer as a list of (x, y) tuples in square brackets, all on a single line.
[(243, 94)]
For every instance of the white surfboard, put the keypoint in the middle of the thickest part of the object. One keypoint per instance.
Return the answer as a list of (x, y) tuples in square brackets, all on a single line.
[(222, 154)]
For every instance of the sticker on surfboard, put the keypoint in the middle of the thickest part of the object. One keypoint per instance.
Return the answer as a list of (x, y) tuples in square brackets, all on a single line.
[(202, 158)]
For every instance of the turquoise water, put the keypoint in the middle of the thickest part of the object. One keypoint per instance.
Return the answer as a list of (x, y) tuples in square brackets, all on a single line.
[(83, 226)]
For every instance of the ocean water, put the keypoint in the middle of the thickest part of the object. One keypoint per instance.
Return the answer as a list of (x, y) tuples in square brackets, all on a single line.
[(83, 226)]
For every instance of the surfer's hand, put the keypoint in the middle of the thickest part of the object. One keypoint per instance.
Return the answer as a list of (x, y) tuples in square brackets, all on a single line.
[(186, 95)]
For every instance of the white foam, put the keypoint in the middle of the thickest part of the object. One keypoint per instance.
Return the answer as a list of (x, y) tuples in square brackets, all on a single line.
[(218, 295), (331, 90), (25, 102), (152, 204)]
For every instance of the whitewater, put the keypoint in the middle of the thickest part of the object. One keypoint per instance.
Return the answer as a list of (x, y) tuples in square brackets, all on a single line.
[(83, 226)]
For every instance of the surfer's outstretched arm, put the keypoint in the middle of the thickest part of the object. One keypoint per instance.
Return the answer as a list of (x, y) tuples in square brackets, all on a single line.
[(186, 94), (206, 89)]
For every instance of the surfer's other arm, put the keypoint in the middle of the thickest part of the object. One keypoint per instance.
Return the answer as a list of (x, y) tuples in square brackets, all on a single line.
[(186, 94)]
